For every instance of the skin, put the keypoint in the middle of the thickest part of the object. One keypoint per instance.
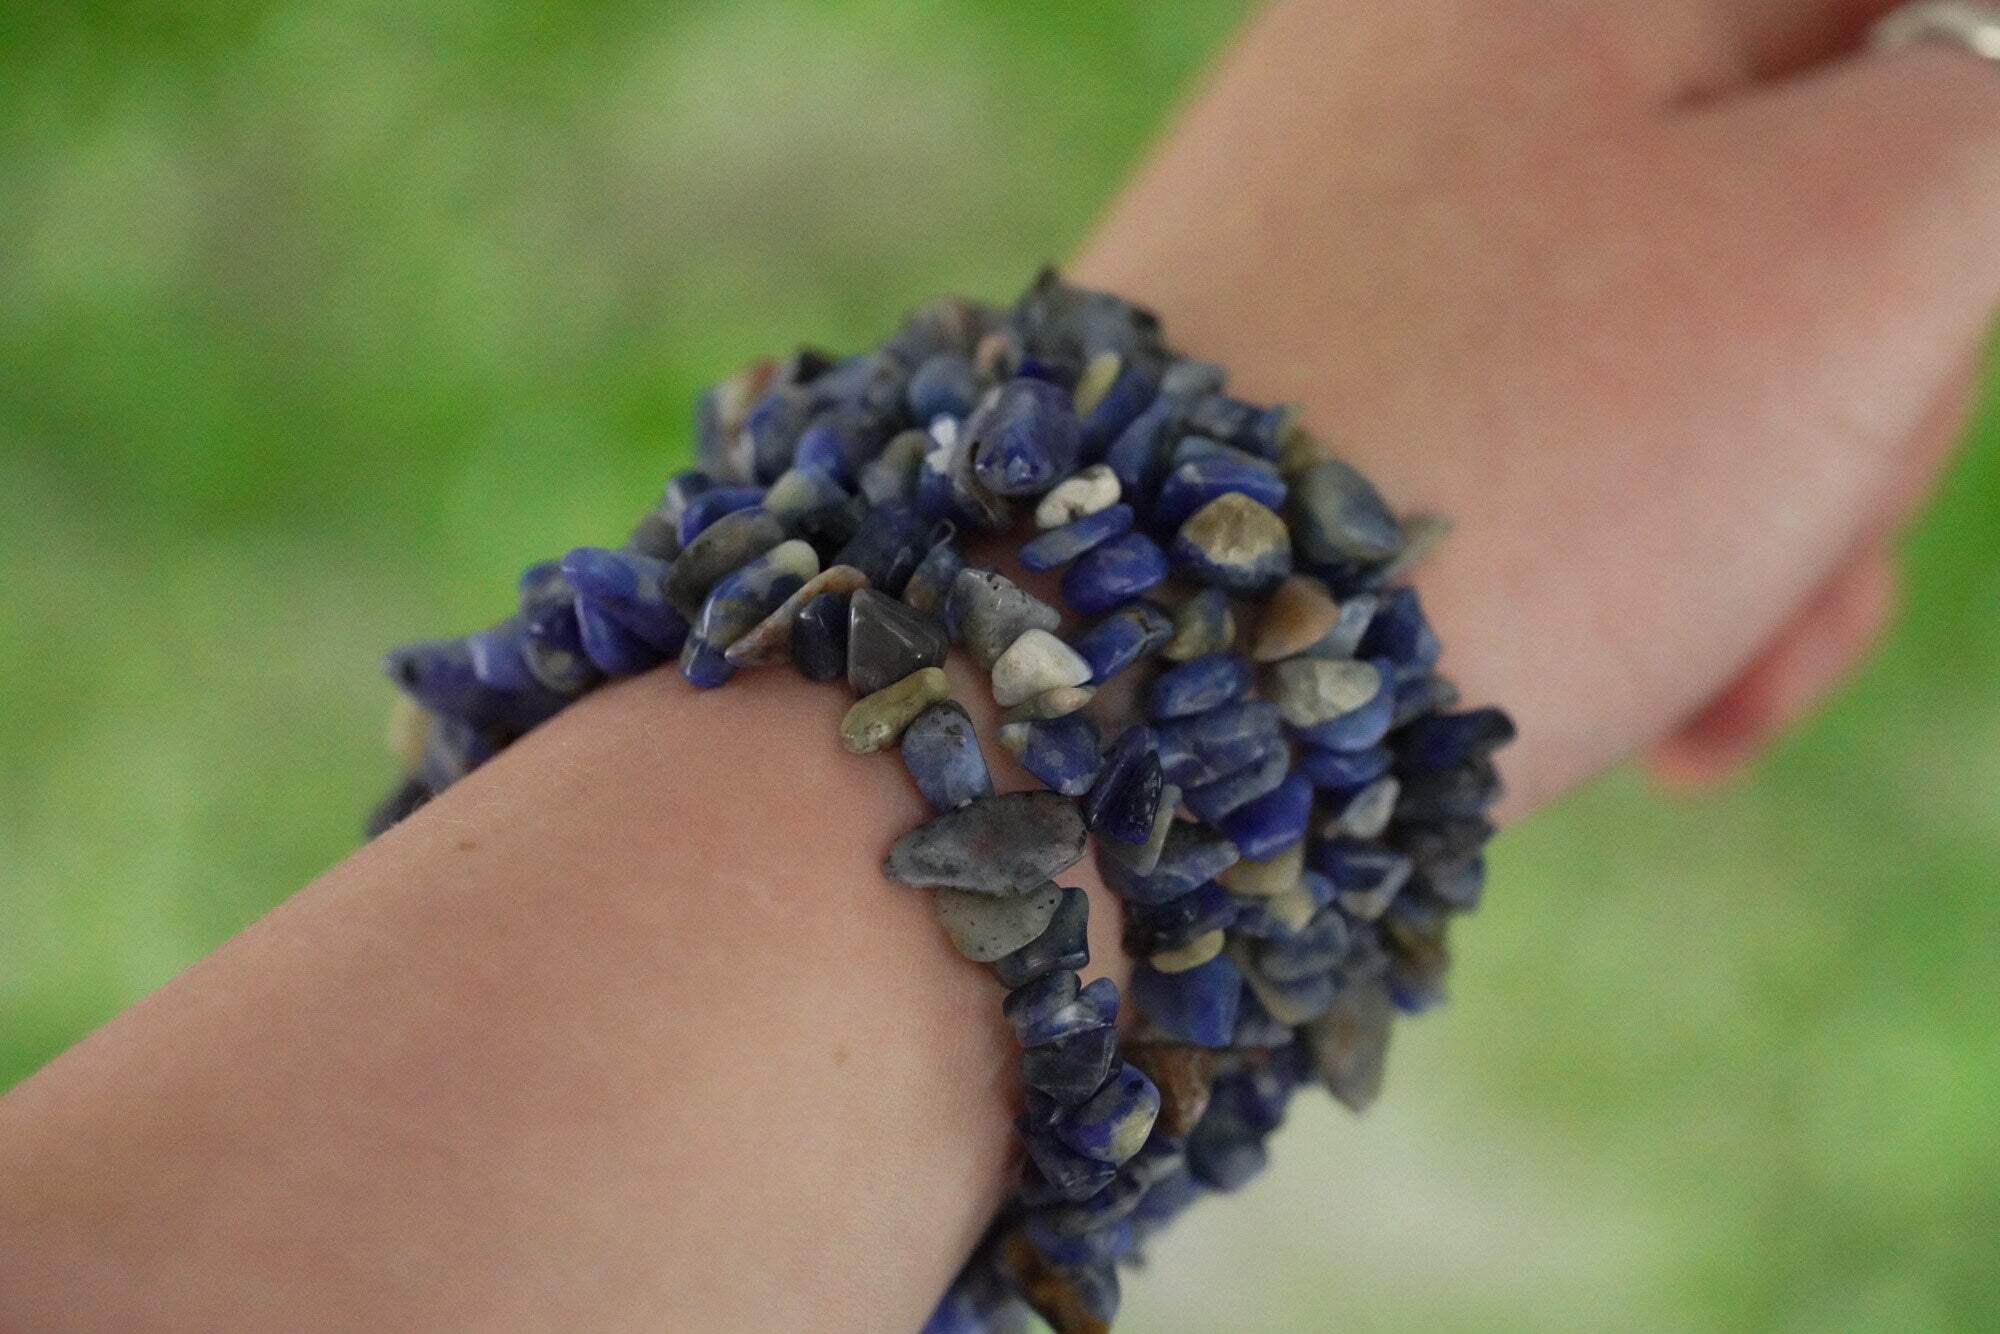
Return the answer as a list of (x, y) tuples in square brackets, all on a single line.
[(1669, 305)]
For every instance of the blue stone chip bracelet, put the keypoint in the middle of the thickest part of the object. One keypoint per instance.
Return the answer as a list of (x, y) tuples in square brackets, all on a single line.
[(1290, 828)]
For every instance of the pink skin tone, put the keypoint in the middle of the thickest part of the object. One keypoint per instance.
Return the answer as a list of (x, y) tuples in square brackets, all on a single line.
[(1669, 305)]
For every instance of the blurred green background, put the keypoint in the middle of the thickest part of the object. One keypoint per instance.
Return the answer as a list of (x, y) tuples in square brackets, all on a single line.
[(319, 318)]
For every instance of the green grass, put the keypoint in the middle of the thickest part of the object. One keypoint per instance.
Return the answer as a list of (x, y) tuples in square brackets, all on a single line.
[(317, 321)]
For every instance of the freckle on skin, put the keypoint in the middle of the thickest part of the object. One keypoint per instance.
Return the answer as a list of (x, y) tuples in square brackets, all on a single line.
[(840, 1056), (467, 845)]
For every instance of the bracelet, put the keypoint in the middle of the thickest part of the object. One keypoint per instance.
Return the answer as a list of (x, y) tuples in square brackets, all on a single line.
[(1290, 829)]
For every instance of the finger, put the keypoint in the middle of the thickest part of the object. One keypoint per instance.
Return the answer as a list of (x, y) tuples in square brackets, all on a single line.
[(1811, 656)]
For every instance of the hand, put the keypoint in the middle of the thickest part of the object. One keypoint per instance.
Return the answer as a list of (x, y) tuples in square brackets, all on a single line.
[(1672, 308)]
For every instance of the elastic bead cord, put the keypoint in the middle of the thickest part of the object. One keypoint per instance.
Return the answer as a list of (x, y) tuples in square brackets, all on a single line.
[(1291, 824)]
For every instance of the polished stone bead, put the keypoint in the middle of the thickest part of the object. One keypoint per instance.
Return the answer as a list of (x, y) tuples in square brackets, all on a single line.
[(1203, 624), (1196, 481), (1071, 1069), (819, 636), (1197, 1006), (1345, 770), (1123, 638), (876, 722), (1072, 540), (892, 474), (1343, 638), (1358, 729), (628, 587), (1213, 801), (709, 506), (1063, 1172), (1183, 1073), (704, 666), (994, 845), (1300, 614), (725, 546), (931, 583), (1123, 801), (1234, 543), (1401, 633), (986, 927), (1367, 813), (552, 648), (1192, 853), (1152, 928), (1191, 955), (1057, 703), (1112, 1125), (1309, 691), (1033, 664), (1449, 740), (1341, 517), (1113, 573), (742, 599), (611, 648), (1024, 439), (1076, 1300), (1365, 877), (990, 612), (1198, 685), (944, 386), (1315, 950), (1054, 1007), (1142, 858), (1064, 753), (1211, 745), (1091, 491), (965, 496), (1262, 828), (886, 641), (1291, 1003), (1350, 1043), (887, 545), (1063, 944), (770, 640), (1266, 877), (941, 751)]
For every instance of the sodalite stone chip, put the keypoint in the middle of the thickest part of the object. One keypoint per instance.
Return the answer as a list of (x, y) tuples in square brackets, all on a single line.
[(887, 545), (1151, 928), (986, 927), (1365, 878), (1024, 439), (1089, 492), (743, 598), (1192, 853), (1064, 944), (709, 506), (1064, 1172), (989, 612), (892, 474), (1266, 877), (1184, 1074), (1345, 770), (1141, 859), (1299, 614), (1072, 1299), (1343, 638), (1213, 801), (819, 637), (1191, 955), (1401, 633), (1057, 703), (1198, 685), (1113, 572), (1076, 1236), (1447, 740), (1291, 1003), (1455, 794), (1341, 517), (726, 545), (1124, 799), (1115, 1122), (944, 386), (628, 587), (941, 751), (1063, 752), (1356, 730), (1137, 457), (1034, 664), (886, 641), (1072, 540), (1313, 690), (1312, 952), (1235, 544), (993, 845), (1350, 1043), (931, 583), (1368, 812), (1123, 638), (770, 640), (1071, 1069), (876, 721), (1196, 481), (1197, 1006), (1212, 745), (611, 648), (1202, 624), (1053, 1007)]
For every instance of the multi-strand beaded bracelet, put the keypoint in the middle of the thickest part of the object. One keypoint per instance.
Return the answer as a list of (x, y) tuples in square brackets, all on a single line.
[(1290, 831)]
